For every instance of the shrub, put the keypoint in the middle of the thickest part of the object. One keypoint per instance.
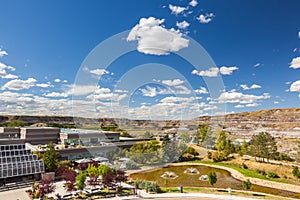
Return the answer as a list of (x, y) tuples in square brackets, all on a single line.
[(272, 175), (149, 186), (296, 172), (246, 184), (244, 166)]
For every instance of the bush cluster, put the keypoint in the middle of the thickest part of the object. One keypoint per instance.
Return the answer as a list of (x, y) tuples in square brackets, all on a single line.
[(149, 186)]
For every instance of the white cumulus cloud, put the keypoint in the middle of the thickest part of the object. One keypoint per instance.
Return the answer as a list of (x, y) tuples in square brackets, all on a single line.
[(295, 86), (211, 72), (44, 85), (205, 18), (238, 97), (2, 53), (18, 84), (227, 70), (176, 9), (173, 82), (295, 64), (253, 86), (153, 38), (182, 25), (56, 94), (193, 3), (57, 80), (202, 90), (257, 65)]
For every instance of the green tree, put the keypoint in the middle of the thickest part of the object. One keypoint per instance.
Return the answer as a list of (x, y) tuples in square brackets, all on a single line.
[(93, 173), (80, 180), (246, 184), (212, 178), (103, 169), (51, 158), (203, 131), (185, 137), (16, 123), (224, 145), (296, 172), (192, 151), (244, 148), (263, 146)]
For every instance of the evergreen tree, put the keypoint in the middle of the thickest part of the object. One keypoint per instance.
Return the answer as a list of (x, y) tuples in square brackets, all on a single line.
[(263, 146), (51, 158), (212, 178), (80, 180)]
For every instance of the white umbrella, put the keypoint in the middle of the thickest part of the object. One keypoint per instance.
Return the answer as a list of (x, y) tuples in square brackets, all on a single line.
[(124, 159), (83, 160), (100, 159)]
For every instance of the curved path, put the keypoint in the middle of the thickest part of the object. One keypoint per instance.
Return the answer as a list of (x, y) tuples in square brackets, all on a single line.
[(257, 181)]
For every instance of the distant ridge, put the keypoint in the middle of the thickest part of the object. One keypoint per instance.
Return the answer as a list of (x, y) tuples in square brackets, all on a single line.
[(285, 117)]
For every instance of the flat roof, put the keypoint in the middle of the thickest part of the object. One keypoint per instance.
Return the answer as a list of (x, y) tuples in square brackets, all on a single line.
[(82, 131)]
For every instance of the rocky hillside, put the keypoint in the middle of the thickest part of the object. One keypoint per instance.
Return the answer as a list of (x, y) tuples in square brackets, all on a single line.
[(277, 121)]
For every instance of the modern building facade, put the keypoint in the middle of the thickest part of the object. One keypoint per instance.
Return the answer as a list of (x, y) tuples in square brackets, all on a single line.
[(9, 132), (87, 137), (17, 162), (40, 135)]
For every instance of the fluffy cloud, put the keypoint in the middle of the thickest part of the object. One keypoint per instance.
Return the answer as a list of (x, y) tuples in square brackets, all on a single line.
[(205, 19), (3, 72), (18, 84), (149, 91), (193, 3), (56, 94), (79, 90), (237, 97), (227, 70), (202, 90), (254, 86), (295, 64), (99, 72), (2, 53), (57, 80), (252, 105), (239, 106), (211, 72), (44, 85), (257, 65), (182, 25), (105, 94), (173, 82), (295, 86), (214, 71), (154, 39), (173, 99), (10, 76), (176, 9)]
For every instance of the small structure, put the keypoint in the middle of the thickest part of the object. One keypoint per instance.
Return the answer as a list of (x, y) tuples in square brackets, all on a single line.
[(87, 137), (169, 175), (203, 177)]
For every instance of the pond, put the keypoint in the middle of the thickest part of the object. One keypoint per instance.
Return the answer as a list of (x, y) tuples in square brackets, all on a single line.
[(196, 175)]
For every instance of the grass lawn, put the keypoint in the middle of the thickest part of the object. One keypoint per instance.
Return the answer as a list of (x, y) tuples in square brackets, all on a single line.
[(246, 172)]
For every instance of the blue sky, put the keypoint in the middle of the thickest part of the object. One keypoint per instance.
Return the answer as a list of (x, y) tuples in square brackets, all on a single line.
[(52, 57)]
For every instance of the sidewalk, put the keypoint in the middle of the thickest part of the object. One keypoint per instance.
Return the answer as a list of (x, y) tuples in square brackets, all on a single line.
[(142, 194)]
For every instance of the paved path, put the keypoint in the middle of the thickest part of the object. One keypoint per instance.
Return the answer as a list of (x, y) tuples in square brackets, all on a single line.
[(17, 194), (236, 174)]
